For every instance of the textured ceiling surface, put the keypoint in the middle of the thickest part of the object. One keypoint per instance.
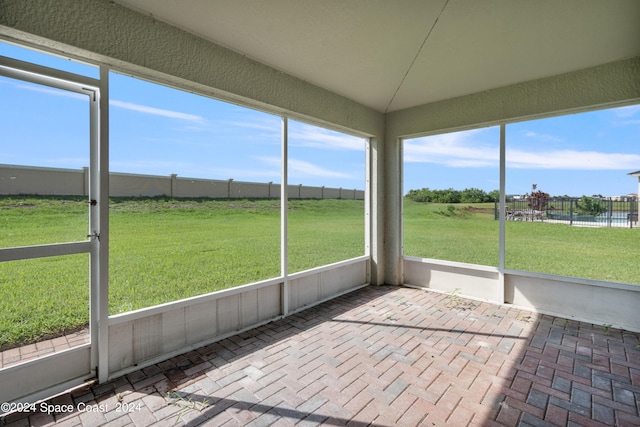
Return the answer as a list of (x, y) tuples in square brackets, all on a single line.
[(390, 55)]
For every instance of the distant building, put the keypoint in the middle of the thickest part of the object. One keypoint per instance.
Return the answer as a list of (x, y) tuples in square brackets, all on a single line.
[(625, 198)]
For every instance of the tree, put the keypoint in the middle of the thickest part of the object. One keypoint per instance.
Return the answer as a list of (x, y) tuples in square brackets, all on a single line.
[(473, 195), (450, 195), (538, 200), (590, 206)]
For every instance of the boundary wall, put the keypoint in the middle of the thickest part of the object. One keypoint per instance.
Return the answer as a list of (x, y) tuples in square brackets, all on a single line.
[(16, 180)]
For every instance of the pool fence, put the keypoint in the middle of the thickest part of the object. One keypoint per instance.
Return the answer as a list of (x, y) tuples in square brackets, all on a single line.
[(581, 211)]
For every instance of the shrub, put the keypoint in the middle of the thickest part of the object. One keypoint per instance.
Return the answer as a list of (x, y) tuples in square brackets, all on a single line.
[(590, 206)]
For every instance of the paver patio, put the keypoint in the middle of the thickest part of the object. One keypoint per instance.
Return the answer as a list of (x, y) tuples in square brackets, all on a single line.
[(382, 356), (43, 348)]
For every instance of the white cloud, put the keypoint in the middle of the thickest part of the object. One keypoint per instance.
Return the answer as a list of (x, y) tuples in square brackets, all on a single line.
[(542, 136), (301, 168), (120, 104), (571, 159), (268, 125), (453, 150), (627, 111), (148, 166), (463, 150), (625, 116), (303, 135), (261, 175), (69, 162), (156, 111), (53, 91), (626, 122)]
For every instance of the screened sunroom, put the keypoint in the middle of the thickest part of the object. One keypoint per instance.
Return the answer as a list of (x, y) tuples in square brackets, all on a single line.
[(188, 172)]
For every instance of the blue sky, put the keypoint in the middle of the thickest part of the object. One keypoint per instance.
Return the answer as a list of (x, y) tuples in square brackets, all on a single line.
[(160, 131), (578, 154)]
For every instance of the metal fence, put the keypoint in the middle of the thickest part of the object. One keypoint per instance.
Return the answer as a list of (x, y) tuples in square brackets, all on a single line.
[(587, 212)]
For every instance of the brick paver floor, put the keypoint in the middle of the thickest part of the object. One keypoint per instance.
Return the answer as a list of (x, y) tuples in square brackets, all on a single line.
[(43, 348), (381, 356)]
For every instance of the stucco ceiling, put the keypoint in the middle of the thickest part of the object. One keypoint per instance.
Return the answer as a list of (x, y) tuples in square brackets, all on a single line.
[(395, 54)]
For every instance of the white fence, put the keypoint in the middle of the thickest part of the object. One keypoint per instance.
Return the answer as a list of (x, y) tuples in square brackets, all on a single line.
[(16, 180)]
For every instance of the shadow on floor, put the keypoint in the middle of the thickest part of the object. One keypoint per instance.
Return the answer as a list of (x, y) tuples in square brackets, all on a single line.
[(381, 356)]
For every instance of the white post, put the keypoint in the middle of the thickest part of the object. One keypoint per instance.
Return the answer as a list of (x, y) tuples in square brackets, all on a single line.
[(284, 208), (502, 213), (367, 206), (103, 247)]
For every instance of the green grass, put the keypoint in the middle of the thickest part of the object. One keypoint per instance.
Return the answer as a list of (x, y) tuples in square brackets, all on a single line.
[(161, 250), (464, 233), (597, 253), (469, 233), (165, 249), (321, 232), (39, 220)]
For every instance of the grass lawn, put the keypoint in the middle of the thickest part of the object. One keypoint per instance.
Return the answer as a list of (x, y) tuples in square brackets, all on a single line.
[(167, 249), (469, 233), (464, 233), (611, 254), (161, 250)]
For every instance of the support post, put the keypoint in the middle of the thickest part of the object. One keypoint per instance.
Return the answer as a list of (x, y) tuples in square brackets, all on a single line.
[(571, 211), (610, 212), (502, 217), (103, 247), (284, 208), (174, 185)]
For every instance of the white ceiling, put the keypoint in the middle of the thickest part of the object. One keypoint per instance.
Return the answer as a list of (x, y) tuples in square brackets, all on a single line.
[(395, 54)]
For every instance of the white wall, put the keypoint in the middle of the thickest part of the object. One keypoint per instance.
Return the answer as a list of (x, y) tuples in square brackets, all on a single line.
[(127, 185), (147, 335), (456, 278), (593, 301), (69, 182), (597, 302), (143, 337), (48, 181)]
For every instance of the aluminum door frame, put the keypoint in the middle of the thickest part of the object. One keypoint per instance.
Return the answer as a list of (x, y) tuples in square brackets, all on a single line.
[(39, 378)]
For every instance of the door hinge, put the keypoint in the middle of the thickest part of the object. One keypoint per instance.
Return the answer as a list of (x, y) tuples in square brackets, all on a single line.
[(94, 234), (93, 202)]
